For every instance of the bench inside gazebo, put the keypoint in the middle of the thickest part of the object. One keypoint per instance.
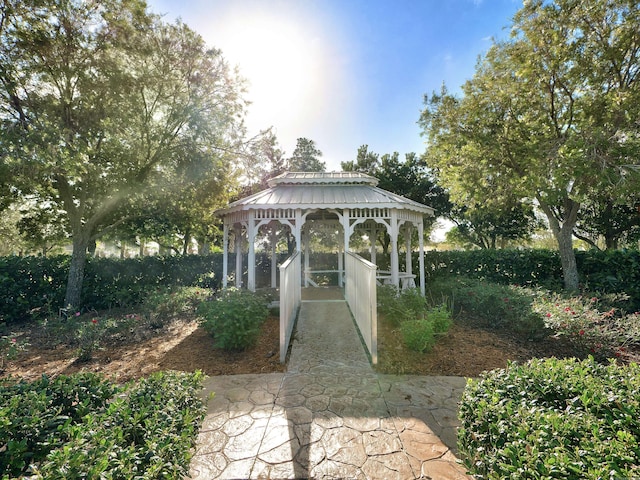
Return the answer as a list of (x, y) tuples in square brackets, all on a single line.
[(301, 204)]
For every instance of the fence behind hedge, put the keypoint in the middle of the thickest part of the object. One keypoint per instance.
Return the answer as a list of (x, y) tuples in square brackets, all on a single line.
[(32, 285)]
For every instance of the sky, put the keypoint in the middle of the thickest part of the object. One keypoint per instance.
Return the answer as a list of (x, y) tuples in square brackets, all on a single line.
[(345, 73)]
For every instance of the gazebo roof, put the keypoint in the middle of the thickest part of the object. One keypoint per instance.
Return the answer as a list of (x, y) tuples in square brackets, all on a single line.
[(336, 190)]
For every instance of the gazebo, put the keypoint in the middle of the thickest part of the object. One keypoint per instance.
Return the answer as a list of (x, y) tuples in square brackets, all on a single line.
[(299, 202)]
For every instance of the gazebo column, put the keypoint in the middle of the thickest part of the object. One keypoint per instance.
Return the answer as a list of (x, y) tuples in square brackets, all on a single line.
[(346, 229), (393, 233), (251, 257), (225, 254), (407, 242), (307, 252), (373, 236), (421, 261), (340, 264), (237, 240), (274, 259)]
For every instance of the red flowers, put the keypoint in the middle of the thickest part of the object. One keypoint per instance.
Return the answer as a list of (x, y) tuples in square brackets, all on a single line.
[(94, 321)]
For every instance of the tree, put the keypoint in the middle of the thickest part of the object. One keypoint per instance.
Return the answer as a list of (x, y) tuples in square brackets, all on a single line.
[(612, 217), (306, 157), (101, 104), (550, 115), (489, 228)]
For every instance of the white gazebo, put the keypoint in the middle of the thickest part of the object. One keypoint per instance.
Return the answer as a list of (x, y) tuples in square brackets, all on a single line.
[(301, 202)]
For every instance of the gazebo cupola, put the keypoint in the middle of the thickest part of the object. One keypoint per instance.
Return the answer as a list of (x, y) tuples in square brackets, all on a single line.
[(348, 201)]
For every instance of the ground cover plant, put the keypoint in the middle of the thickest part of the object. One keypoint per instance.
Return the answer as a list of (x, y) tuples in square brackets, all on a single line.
[(553, 418), (84, 426)]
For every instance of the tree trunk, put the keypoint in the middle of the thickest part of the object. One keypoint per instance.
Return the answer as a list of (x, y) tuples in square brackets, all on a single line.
[(187, 241), (76, 271), (564, 236)]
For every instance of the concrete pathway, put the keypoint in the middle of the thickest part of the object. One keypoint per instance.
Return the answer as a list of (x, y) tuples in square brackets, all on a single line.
[(330, 415)]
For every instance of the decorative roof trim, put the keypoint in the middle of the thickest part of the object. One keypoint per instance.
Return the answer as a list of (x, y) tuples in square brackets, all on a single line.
[(323, 178)]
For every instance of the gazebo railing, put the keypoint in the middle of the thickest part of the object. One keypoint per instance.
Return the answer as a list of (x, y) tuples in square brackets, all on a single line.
[(290, 299), (360, 292)]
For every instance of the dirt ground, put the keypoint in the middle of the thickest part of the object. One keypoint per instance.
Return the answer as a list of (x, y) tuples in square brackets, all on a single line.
[(464, 351), (183, 346)]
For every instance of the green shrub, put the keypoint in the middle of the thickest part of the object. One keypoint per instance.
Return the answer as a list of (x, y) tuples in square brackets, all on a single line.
[(234, 318), (84, 427), (552, 419), (418, 335), (496, 306), (35, 418), (399, 306)]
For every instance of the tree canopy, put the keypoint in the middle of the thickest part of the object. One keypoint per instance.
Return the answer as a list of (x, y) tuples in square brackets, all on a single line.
[(550, 115), (103, 106)]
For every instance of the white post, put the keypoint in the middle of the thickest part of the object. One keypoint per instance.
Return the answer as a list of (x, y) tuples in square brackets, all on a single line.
[(421, 243), (237, 239), (346, 228), (340, 265), (307, 252), (274, 258), (225, 254), (407, 242), (373, 237), (251, 257), (395, 267)]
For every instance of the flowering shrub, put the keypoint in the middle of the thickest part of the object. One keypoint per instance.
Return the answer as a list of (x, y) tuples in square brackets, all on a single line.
[(603, 334), (552, 418)]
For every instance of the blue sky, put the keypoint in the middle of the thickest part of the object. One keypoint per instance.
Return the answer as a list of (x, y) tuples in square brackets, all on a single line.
[(345, 72)]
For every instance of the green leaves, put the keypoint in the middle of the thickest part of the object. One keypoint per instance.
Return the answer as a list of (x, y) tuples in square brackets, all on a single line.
[(552, 419), (234, 318), (89, 428)]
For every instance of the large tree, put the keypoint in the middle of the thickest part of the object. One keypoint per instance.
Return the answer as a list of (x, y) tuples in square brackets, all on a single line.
[(550, 114), (101, 105)]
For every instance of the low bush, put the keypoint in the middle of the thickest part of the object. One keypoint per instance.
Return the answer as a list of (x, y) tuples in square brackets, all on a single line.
[(82, 426), (496, 306), (234, 318), (552, 418), (591, 325), (399, 306), (420, 334)]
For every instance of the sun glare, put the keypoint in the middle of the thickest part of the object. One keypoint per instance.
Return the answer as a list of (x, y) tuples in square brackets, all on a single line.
[(282, 64)]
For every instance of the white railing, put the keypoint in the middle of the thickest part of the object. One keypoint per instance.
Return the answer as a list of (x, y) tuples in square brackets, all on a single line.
[(290, 298), (360, 291)]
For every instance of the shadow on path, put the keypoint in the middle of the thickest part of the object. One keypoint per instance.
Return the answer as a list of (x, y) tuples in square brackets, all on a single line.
[(330, 415)]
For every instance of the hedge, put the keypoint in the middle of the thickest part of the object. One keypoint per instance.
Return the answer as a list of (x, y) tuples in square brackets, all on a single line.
[(83, 426), (35, 285), (609, 271), (552, 418)]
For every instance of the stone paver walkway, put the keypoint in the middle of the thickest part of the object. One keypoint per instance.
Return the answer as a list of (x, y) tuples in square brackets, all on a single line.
[(330, 415)]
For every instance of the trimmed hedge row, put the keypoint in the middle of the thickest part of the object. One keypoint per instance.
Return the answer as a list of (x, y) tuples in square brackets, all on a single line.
[(32, 284), (610, 271), (552, 419)]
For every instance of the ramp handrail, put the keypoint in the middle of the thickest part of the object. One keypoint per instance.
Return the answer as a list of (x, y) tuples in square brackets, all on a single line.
[(290, 299), (360, 292)]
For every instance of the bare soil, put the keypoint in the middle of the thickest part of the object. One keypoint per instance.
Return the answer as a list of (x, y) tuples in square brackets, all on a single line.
[(466, 350)]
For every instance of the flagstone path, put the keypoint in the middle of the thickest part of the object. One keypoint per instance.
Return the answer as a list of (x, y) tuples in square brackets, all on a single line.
[(330, 415)]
